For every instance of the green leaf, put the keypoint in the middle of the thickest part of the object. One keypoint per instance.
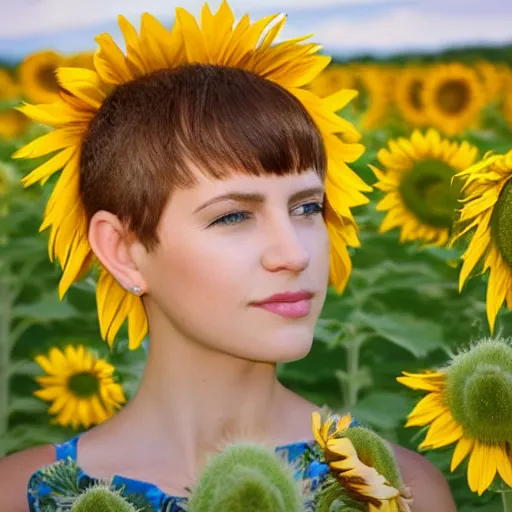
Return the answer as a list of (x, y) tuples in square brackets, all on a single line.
[(30, 405), (382, 410), (48, 309), (416, 335)]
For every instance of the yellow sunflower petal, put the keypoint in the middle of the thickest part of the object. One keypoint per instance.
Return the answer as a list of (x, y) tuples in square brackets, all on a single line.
[(462, 450), (481, 467)]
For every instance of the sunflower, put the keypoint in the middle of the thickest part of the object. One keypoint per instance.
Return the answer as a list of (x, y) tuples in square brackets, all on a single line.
[(407, 95), (491, 79), (421, 195), (292, 64), (330, 80), (9, 89), (80, 60), (452, 96), (38, 76), (507, 108), (79, 385), (373, 100), (12, 124), (363, 483), (487, 206), (469, 403)]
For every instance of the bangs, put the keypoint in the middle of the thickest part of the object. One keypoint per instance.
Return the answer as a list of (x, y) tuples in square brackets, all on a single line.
[(238, 121)]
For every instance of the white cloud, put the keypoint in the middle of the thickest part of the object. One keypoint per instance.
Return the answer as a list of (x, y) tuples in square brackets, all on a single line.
[(408, 29), (36, 17)]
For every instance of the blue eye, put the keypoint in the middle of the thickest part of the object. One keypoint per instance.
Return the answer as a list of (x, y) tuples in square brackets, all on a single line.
[(230, 218), (310, 209)]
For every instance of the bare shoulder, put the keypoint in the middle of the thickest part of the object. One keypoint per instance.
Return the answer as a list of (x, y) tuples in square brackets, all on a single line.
[(428, 485), (15, 472)]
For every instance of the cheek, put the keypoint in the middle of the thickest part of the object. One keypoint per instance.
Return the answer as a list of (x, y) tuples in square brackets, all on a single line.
[(199, 271)]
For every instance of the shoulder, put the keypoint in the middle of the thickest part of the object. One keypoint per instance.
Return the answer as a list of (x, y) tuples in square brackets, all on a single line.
[(428, 485), (15, 473)]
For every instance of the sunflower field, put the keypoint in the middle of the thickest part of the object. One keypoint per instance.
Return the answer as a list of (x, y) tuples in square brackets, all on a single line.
[(432, 275)]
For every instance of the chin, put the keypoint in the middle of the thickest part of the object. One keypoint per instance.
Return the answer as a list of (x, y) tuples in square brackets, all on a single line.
[(286, 348)]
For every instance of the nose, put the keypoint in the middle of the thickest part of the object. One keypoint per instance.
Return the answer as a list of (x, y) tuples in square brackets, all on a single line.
[(285, 247)]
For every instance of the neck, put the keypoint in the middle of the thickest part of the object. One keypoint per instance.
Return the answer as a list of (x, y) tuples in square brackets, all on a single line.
[(194, 400)]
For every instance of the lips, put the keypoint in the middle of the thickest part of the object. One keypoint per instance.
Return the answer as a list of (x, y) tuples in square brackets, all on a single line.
[(289, 304)]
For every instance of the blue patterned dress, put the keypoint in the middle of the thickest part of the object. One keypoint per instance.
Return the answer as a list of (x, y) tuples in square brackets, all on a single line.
[(54, 487)]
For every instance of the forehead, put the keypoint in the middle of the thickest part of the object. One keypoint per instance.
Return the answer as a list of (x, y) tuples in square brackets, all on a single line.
[(241, 182)]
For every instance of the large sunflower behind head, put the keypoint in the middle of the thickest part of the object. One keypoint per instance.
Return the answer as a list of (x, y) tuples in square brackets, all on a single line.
[(453, 97), (38, 76), (407, 95), (79, 385), (215, 40), (417, 176), (488, 211)]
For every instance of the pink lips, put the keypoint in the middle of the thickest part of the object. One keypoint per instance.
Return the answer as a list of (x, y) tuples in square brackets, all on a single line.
[(288, 305)]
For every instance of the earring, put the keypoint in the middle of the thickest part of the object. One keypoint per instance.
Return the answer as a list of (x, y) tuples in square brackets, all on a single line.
[(135, 289)]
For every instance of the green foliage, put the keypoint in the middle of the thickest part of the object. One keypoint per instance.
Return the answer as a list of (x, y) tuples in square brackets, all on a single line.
[(246, 476)]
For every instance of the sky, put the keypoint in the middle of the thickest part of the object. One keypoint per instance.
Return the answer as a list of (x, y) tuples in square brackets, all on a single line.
[(343, 27)]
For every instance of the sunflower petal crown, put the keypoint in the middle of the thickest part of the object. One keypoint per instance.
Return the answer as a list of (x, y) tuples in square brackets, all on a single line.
[(215, 39), (485, 219)]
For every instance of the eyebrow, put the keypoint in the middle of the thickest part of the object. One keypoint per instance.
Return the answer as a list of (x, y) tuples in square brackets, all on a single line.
[(252, 197)]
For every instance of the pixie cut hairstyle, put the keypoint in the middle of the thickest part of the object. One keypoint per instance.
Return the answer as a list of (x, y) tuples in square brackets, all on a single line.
[(142, 142)]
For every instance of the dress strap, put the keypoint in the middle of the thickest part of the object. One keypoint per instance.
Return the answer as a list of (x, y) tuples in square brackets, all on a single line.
[(66, 450)]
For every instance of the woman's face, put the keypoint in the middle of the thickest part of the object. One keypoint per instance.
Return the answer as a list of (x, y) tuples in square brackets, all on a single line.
[(227, 245)]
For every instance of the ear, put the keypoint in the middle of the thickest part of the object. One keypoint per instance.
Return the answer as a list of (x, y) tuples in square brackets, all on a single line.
[(114, 248)]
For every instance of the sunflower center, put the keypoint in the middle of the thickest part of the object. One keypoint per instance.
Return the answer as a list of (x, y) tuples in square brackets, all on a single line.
[(501, 223), (479, 392), (415, 94), (47, 78), (84, 384), (453, 96), (427, 191)]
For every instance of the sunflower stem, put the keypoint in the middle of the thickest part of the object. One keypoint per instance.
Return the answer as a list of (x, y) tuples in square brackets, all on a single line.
[(352, 374), (5, 352), (351, 379), (507, 501)]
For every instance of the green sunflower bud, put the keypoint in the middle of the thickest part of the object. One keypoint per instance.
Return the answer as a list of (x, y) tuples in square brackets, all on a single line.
[(243, 477), (501, 223), (373, 451), (479, 391), (101, 497)]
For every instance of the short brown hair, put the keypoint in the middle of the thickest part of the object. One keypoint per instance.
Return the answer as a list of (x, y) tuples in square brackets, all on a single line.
[(222, 119)]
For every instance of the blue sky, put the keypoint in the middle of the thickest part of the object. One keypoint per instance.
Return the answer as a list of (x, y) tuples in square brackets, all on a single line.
[(344, 27)]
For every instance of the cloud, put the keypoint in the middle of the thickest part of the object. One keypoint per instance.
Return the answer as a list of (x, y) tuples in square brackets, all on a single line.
[(36, 17), (411, 29)]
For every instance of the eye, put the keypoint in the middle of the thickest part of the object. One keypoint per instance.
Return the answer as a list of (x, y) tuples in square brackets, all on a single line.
[(231, 218), (309, 209)]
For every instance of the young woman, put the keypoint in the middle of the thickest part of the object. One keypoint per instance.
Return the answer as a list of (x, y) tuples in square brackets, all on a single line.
[(214, 194)]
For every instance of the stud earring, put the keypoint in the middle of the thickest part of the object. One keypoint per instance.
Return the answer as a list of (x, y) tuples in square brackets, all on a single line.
[(135, 289)]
